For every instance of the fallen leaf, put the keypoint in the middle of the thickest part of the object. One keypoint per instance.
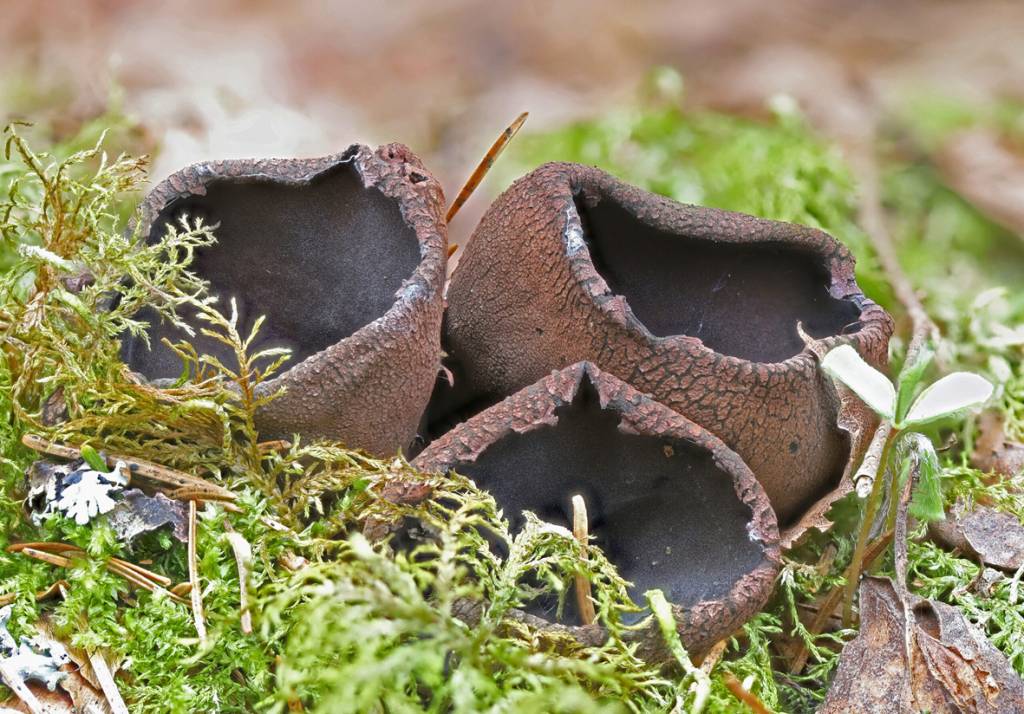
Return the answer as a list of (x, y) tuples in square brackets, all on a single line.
[(992, 452), (41, 669), (138, 513), (916, 655), (986, 171), (994, 537)]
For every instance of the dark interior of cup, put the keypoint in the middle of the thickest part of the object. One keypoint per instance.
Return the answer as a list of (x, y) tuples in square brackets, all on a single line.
[(661, 510), (320, 260), (740, 300)]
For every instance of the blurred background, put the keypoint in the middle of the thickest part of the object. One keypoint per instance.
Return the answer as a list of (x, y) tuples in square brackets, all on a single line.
[(209, 79)]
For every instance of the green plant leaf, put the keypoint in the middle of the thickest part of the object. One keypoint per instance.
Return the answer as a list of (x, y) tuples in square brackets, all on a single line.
[(874, 388), (926, 503), (910, 376), (93, 458), (951, 394)]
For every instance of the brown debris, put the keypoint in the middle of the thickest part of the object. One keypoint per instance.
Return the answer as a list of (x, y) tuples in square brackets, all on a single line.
[(74, 694), (163, 475), (485, 165), (138, 513), (993, 453), (917, 655), (735, 686), (243, 559), (196, 592), (62, 555), (581, 531), (994, 537)]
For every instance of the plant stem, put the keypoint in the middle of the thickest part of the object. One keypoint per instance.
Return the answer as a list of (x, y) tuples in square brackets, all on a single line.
[(870, 510), (581, 530)]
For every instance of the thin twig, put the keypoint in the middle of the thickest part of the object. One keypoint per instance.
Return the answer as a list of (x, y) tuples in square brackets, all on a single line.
[(713, 655), (57, 587), (243, 558), (52, 559), (148, 574), (136, 574), (136, 467), (872, 219), (106, 679), (923, 329), (193, 574), (832, 600), (485, 165), (747, 697), (580, 529), (856, 566)]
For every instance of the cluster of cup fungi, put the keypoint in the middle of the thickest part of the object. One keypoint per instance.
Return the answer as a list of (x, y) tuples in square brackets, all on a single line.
[(611, 360)]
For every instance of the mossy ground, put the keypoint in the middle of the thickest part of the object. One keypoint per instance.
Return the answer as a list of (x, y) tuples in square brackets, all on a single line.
[(359, 627)]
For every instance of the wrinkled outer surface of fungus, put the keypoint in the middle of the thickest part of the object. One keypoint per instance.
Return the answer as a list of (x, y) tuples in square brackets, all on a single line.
[(667, 501), (345, 255), (696, 306)]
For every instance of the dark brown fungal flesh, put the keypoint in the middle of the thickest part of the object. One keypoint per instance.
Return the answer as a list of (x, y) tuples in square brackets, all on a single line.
[(345, 256), (698, 307), (668, 503)]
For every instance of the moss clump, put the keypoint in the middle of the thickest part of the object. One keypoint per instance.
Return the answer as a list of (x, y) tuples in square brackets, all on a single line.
[(345, 625), (340, 624)]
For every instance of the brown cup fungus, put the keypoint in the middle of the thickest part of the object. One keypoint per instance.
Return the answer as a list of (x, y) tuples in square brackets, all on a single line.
[(345, 256), (669, 504), (717, 315)]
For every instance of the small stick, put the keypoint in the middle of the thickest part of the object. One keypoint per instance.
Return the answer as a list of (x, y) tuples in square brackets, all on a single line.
[(50, 558), (714, 655), (243, 558), (580, 529), (148, 574), (140, 580), (745, 696), (49, 553), (49, 592), (140, 467), (106, 679), (275, 445), (57, 547), (485, 165), (193, 574), (832, 600)]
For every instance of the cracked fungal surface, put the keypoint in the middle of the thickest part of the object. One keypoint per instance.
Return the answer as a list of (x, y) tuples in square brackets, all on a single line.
[(345, 256), (695, 306), (667, 502)]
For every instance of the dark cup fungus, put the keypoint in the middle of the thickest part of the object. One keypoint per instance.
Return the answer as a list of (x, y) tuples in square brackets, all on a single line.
[(667, 501), (703, 309), (345, 255)]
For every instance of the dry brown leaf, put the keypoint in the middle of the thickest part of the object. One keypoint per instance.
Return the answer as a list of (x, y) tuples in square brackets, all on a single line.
[(138, 513), (916, 655), (989, 173), (994, 537), (992, 452)]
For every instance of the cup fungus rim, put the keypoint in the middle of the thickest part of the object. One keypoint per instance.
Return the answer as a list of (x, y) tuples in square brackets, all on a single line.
[(534, 407), (832, 256), (391, 169)]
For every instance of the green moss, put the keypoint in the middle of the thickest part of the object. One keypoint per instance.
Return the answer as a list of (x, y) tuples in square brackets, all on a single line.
[(366, 628)]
